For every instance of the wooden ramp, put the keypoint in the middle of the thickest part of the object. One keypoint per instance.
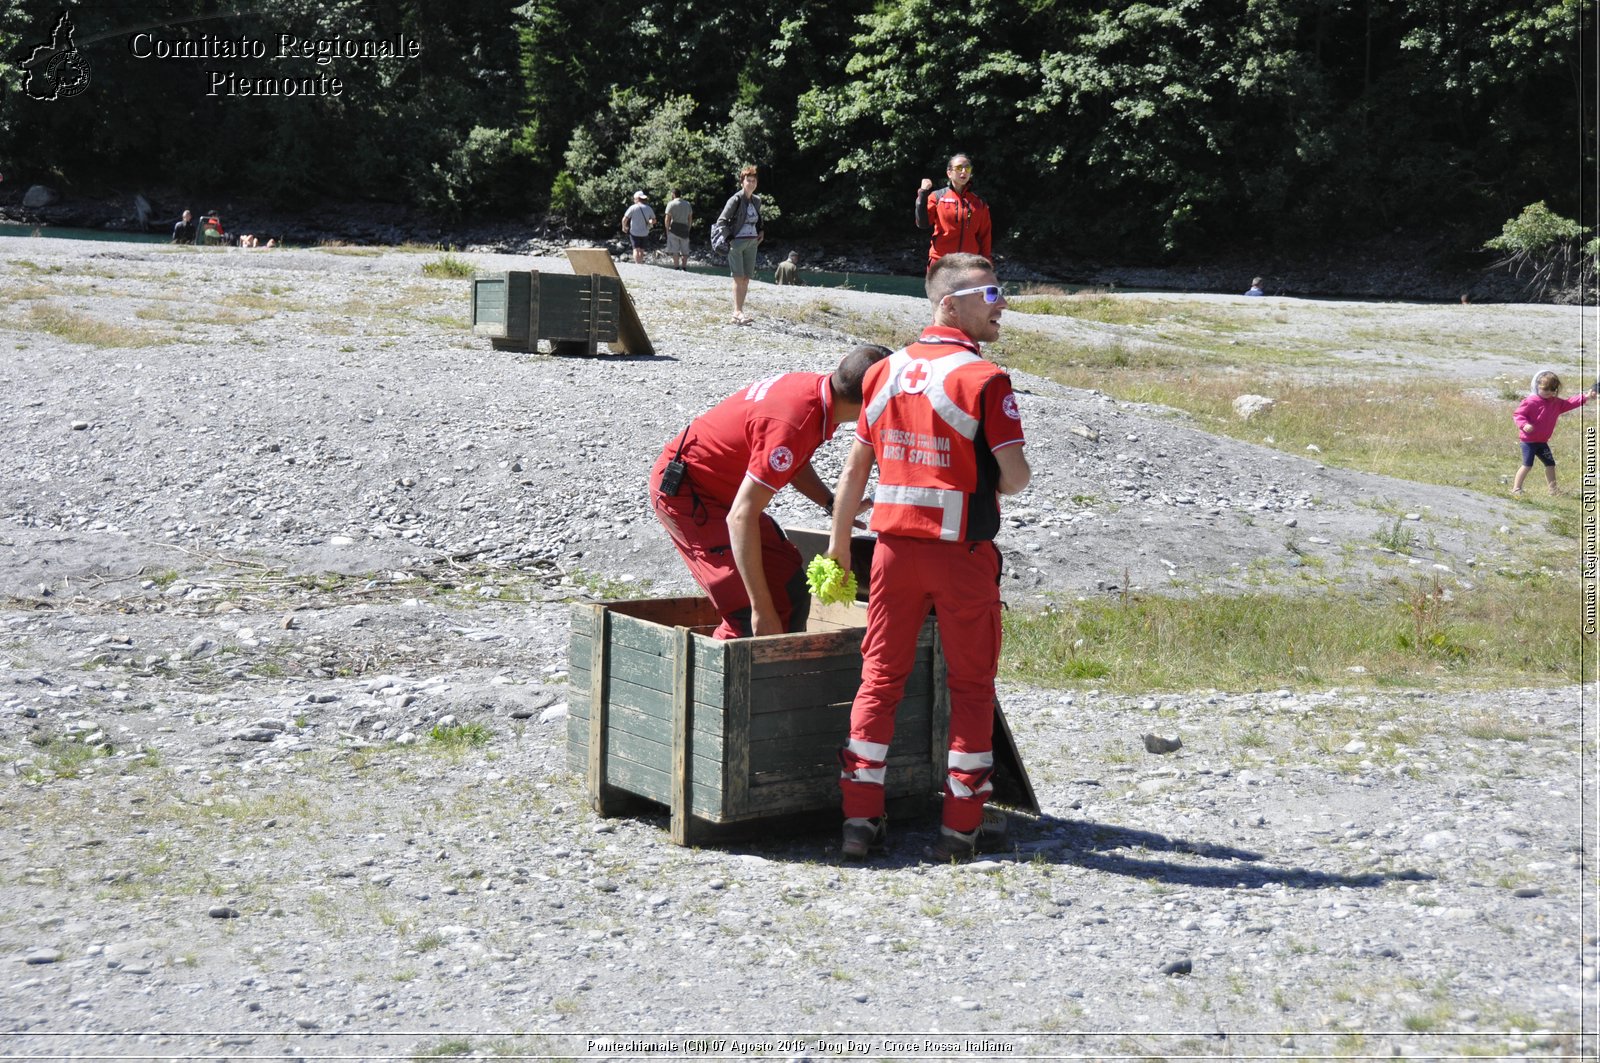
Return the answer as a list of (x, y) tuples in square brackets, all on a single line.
[(631, 338)]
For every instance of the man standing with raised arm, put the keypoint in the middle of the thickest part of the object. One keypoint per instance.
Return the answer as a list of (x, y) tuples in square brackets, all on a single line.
[(942, 426)]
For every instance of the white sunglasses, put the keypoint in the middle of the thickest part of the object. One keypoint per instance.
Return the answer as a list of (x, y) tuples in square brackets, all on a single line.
[(992, 293)]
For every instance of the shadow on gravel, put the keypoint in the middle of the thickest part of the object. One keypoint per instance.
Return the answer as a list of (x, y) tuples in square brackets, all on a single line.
[(1119, 851), (1079, 843)]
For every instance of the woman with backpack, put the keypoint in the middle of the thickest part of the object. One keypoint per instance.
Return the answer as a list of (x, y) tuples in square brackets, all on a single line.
[(741, 221)]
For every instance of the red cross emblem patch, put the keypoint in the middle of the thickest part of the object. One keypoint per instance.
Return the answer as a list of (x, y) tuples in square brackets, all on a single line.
[(914, 377), (781, 459)]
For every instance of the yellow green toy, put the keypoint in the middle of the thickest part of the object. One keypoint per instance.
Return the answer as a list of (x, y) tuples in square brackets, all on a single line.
[(830, 583)]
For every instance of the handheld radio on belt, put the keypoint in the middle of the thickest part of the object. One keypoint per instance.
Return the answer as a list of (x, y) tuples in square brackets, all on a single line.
[(672, 475)]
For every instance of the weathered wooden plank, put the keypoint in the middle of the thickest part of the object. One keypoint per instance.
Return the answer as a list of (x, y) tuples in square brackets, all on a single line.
[(736, 723), (803, 647), (797, 794), (657, 756), (911, 723), (641, 780), (670, 613), (800, 751), (599, 630), (682, 737), (788, 694)]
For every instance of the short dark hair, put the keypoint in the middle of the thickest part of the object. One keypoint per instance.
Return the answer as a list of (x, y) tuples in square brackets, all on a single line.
[(944, 276), (853, 368), (951, 161), (748, 170)]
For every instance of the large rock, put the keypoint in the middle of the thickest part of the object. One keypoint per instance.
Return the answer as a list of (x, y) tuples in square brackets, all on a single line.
[(39, 196), (1247, 406)]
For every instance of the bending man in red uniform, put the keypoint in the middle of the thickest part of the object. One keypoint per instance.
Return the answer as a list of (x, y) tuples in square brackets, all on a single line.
[(960, 220), (941, 423), (735, 457)]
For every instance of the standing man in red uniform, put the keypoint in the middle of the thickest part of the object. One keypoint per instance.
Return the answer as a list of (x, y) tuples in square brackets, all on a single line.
[(722, 471), (942, 426), (959, 219)]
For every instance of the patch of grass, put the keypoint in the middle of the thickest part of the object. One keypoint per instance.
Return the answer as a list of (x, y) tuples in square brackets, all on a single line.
[(608, 589), (266, 302), (1497, 634), (1397, 535), (444, 1048), (461, 736), (1489, 729), (66, 759), (448, 267), (76, 327), (1108, 309), (1440, 431)]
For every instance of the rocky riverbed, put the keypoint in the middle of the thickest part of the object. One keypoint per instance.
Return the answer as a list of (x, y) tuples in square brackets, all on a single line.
[(287, 571)]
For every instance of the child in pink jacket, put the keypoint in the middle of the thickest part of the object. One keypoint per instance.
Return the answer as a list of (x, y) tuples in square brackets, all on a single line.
[(1536, 421)]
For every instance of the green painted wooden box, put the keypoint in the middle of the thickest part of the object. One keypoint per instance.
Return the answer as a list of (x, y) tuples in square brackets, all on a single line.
[(730, 731), (517, 309)]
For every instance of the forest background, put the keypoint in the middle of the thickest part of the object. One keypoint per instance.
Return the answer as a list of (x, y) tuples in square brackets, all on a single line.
[(1119, 130)]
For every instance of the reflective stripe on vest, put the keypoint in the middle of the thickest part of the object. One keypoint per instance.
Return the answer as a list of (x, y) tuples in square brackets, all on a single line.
[(961, 422), (950, 504), (911, 376)]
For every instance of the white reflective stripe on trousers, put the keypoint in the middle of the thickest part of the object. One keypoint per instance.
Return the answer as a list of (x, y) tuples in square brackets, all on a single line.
[(949, 503), (873, 751), (968, 762)]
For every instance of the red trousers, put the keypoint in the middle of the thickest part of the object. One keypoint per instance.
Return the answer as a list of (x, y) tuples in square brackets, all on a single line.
[(961, 581), (699, 529)]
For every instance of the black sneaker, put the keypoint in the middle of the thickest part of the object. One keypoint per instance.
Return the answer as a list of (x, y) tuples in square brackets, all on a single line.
[(862, 836), (951, 846)]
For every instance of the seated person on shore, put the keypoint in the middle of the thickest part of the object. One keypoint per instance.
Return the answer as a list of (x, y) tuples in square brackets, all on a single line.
[(211, 231), (1255, 287), (183, 232), (789, 270), (247, 240)]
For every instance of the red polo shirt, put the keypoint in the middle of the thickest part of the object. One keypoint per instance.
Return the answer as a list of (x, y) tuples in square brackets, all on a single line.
[(767, 431)]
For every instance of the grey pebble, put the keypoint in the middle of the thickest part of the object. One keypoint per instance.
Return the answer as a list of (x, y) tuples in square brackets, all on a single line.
[(222, 911), (1160, 744)]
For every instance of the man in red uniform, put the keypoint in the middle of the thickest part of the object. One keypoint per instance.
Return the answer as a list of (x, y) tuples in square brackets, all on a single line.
[(941, 424), (960, 220), (734, 458)]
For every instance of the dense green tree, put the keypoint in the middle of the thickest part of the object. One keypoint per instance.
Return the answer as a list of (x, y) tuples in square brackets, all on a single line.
[(1126, 128)]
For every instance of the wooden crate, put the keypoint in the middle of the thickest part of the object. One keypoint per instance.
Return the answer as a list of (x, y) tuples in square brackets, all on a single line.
[(736, 730), (517, 309)]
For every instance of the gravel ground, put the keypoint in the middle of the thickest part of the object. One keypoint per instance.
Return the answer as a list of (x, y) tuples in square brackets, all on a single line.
[(257, 555)]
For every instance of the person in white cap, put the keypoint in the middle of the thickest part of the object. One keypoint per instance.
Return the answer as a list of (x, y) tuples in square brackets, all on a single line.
[(637, 221)]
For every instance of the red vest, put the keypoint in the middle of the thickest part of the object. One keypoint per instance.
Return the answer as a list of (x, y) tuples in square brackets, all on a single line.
[(923, 408)]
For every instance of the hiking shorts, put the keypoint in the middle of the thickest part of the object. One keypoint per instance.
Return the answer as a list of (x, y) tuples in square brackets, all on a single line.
[(742, 257)]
